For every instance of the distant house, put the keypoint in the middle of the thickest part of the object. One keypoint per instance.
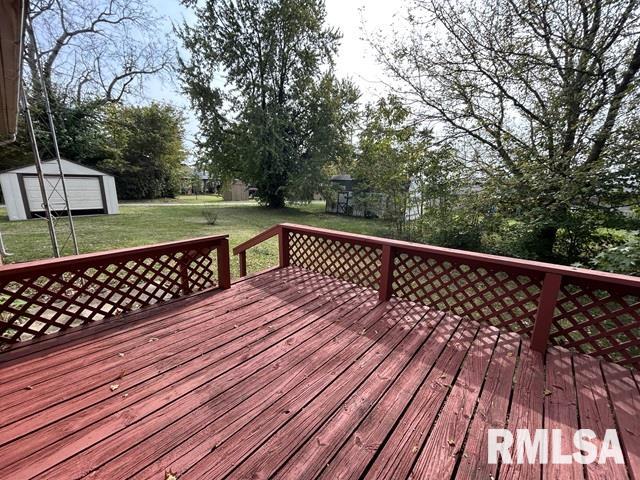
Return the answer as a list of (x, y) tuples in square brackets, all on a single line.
[(195, 181), (89, 191), (236, 191), (347, 198)]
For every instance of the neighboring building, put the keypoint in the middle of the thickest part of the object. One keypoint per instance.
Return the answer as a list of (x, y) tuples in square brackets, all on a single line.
[(195, 181), (89, 191), (237, 191), (348, 199)]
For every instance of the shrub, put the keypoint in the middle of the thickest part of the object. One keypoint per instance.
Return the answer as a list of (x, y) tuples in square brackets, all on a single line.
[(623, 258), (210, 216)]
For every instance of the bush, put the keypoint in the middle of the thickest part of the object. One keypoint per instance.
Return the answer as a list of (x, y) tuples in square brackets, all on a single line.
[(623, 258), (210, 216)]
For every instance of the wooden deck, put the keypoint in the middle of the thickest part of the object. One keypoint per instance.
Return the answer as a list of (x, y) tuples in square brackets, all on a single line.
[(291, 374)]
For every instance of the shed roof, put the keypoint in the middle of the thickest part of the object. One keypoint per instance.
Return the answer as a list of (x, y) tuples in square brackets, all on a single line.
[(50, 167), (12, 13)]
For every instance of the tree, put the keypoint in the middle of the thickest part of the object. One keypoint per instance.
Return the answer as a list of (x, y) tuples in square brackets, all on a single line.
[(259, 76), (92, 53), (542, 91), (96, 50), (398, 159), (146, 150)]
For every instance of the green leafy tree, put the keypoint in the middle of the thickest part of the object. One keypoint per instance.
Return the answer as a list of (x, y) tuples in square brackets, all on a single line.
[(541, 93), (146, 150), (79, 130), (398, 159), (271, 112)]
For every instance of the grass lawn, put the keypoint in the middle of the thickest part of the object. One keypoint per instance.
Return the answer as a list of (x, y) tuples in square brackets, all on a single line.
[(207, 198), (144, 225)]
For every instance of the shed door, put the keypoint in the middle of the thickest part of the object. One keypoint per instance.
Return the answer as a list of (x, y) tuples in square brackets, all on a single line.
[(85, 193)]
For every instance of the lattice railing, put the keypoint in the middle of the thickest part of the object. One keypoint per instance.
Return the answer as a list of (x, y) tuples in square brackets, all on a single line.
[(504, 299), (593, 312), (44, 297), (598, 319), (355, 263)]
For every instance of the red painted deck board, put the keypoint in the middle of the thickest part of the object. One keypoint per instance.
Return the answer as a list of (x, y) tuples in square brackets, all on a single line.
[(291, 374), (526, 412), (492, 409), (561, 412), (595, 413)]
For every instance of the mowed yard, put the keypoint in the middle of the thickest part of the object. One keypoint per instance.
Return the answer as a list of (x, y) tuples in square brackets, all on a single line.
[(145, 224)]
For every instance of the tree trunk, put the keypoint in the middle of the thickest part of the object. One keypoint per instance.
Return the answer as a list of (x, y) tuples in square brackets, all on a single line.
[(543, 242)]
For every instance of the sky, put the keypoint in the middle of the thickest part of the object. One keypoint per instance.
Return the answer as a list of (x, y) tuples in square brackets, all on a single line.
[(355, 59)]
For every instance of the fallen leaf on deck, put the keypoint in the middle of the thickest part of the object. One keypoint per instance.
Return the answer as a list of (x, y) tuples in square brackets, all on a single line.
[(153, 339), (121, 354), (547, 392), (169, 475), (114, 387), (28, 387), (451, 443)]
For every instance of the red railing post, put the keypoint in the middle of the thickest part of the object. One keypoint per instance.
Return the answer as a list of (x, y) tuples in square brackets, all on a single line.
[(386, 274), (224, 271), (184, 273), (242, 260), (283, 243), (545, 311)]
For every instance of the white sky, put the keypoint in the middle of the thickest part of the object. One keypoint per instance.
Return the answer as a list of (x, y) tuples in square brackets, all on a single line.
[(355, 59)]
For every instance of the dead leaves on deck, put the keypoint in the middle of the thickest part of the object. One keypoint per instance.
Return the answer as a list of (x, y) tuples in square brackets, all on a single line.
[(169, 475)]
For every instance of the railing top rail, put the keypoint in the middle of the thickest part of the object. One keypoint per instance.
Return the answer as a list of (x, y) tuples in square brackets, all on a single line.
[(261, 237), (77, 261), (513, 263)]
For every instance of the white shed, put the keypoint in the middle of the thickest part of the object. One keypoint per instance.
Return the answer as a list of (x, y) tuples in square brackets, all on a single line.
[(90, 191)]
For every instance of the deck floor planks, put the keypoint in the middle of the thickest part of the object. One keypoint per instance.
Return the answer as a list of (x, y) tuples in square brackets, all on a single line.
[(401, 448), (174, 391), (176, 329), (334, 383), (438, 456), (338, 418), (190, 398), (526, 412), (193, 436), (17, 375), (62, 359), (155, 361), (358, 445), (193, 372), (298, 390), (595, 413), (561, 413), (625, 400), (491, 411), (202, 440), (48, 347)]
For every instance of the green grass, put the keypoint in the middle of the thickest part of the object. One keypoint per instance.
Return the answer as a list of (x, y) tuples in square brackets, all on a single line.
[(144, 225), (208, 198)]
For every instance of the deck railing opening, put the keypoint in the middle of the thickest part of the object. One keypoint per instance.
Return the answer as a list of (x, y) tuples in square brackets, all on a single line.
[(593, 312), (44, 297)]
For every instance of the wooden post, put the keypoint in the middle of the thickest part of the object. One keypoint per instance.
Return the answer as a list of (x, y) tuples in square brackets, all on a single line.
[(544, 314), (386, 274), (224, 272), (183, 266), (242, 260), (283, 242)]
